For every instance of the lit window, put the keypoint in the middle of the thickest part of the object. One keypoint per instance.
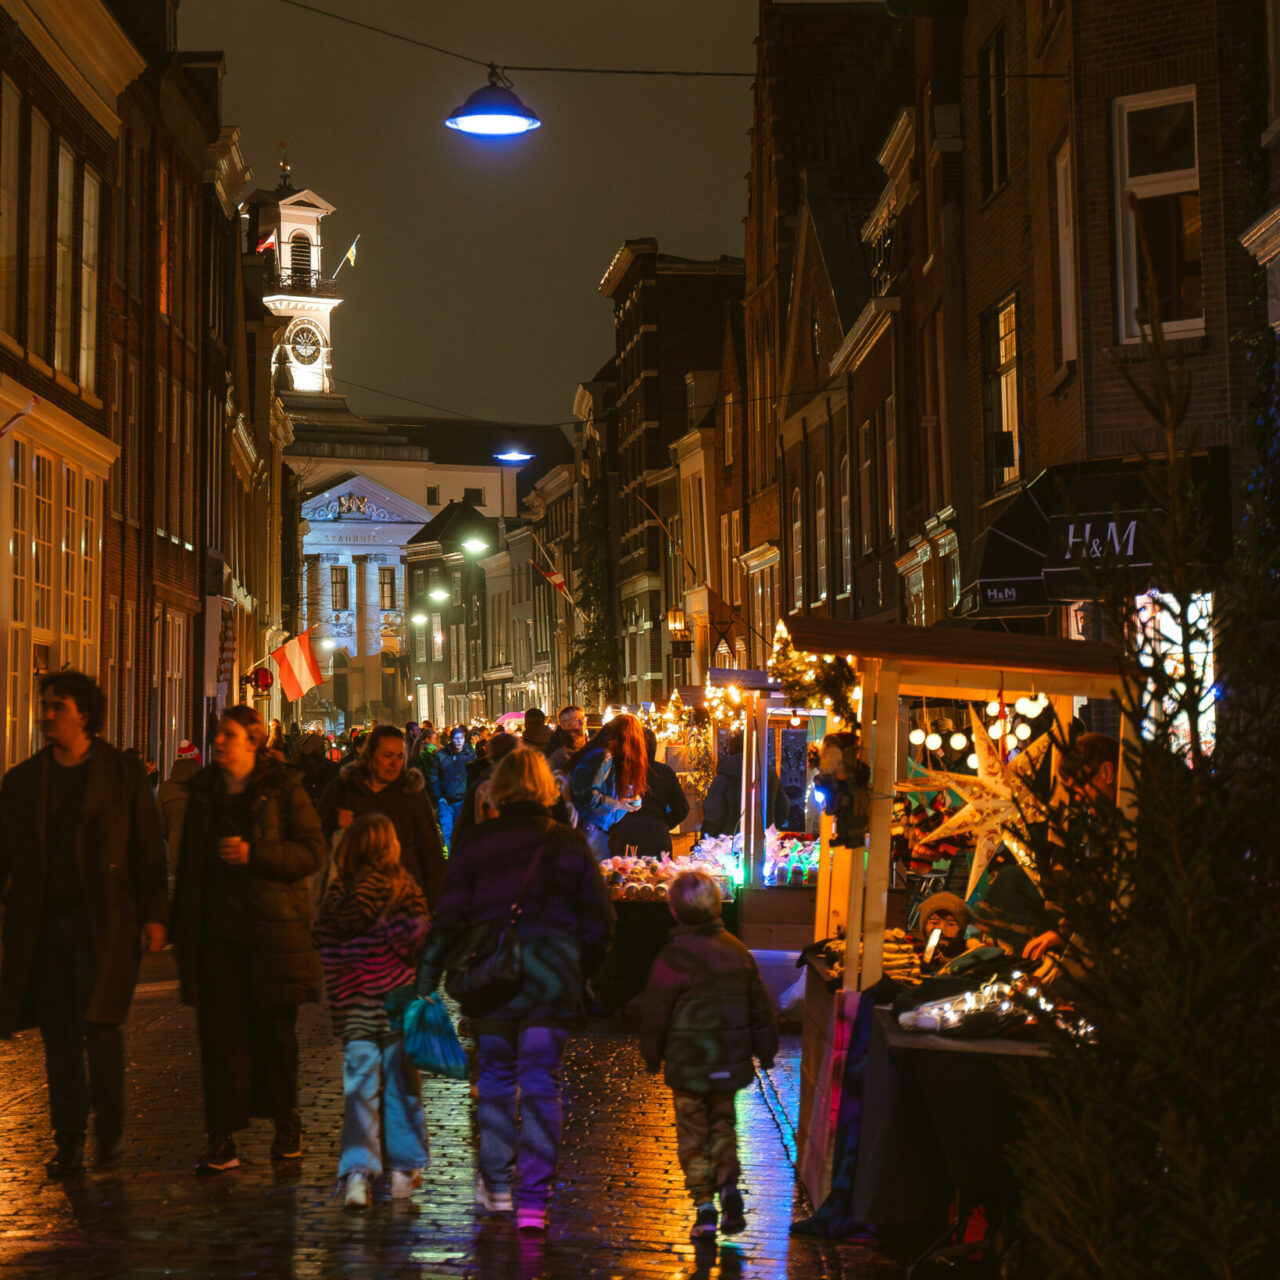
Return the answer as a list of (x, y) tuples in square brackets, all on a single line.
[(820, 531), (797, 552), (1000, 397)]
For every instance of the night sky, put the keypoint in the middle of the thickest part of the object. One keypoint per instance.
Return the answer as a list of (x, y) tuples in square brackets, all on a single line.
[(475, 289)]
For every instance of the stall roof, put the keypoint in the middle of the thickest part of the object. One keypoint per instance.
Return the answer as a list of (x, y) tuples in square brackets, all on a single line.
[(947, 662)]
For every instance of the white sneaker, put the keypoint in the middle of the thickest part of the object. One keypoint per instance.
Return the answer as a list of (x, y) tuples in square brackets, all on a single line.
[(403, 1183), (357, 1191), (493, 1201)]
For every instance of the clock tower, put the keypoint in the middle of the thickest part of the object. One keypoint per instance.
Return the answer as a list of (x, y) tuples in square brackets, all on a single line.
[(295, 286)]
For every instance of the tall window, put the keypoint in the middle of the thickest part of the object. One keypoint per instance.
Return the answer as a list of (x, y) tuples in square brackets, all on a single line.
[(162, 451), (10, 182), (386, 587), (437, 638), (120, 466), (1157, 165), (797, 551), (300, 255), (42, 615), (135, 220), (1066, 257), (132, 460), (1000, 399), (20, 539), (63, 262), (891, 467), (89, 281), (846, 531), (338, 587), (128, 646), (122, 203), (38, 241), (188, 472), (111, 663), (728, 428), (89, 586), (993, 114), (173, 450), (864, 488), (724, 556), (735, 550), (820, 534), (70, 560)]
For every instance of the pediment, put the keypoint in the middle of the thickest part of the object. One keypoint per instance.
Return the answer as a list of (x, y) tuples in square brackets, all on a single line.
[(309, 201), (355, 499)]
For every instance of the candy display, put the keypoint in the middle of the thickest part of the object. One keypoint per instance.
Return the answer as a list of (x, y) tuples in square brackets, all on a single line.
[(646, 879)]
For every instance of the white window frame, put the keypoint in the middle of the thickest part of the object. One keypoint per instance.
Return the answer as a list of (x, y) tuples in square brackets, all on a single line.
[(846, 528), (90, 246), (735, 550), (1170, 182), (10, 207), (64, 244)]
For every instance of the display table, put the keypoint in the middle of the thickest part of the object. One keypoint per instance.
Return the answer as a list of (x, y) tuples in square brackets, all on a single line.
[(641, 929), (936, 1116)]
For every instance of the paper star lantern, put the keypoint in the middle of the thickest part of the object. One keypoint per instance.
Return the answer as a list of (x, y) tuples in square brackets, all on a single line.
[(999, 801)]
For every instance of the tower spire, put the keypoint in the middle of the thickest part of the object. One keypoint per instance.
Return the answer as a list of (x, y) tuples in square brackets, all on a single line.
[(286, 169)]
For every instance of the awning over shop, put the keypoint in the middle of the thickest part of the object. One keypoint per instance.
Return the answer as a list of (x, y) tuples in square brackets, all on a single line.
[(1036, 552)]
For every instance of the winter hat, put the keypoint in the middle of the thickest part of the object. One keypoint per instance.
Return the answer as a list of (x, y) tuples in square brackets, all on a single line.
[(949, 903), (188, 751)]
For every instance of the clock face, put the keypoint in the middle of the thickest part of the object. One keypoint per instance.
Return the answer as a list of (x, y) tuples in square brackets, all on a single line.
[(306, 344)]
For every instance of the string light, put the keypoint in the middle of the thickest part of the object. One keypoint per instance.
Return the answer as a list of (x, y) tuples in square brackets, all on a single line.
[(933, 742), (958, 741), (916, 737)]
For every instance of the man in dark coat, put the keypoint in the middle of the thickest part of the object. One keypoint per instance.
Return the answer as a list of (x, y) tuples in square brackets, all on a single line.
[(447, 779), (84, 877), (722, 809), (536, 734)]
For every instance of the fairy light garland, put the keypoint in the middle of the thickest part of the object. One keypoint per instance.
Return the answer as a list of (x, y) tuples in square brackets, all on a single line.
[(825, 681)]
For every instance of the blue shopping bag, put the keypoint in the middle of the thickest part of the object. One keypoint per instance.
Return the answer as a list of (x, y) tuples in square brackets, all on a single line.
[(430, 1041)]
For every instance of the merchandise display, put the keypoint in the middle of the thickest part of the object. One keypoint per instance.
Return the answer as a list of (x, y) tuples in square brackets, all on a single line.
[(790, 858), (646, 879)]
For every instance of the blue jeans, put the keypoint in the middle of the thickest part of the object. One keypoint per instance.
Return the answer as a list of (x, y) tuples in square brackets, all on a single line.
[(513, 1054), (383, 1113), (447, 812)]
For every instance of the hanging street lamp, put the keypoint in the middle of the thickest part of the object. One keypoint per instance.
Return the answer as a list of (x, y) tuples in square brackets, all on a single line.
[(493, 111)]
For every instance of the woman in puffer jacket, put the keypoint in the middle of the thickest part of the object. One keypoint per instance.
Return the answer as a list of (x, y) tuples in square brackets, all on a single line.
[(377, 781), (564, 924)]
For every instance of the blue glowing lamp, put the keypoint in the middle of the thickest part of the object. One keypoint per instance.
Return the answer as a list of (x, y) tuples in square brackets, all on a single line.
[(494, 111)]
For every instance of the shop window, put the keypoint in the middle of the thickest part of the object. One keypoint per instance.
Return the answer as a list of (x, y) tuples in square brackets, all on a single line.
[(993, 111), (1164, 639), (1157, 166), (1000, 395)]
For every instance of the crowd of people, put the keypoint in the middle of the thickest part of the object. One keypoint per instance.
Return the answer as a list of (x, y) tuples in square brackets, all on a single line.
[(290, 867)]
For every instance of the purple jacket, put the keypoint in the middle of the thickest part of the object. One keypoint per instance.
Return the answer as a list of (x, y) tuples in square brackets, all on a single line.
[(566, 917)]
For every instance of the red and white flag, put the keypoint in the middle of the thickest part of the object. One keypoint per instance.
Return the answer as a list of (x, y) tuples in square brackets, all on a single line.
[(299, 670), (552, 576), (267, 242)]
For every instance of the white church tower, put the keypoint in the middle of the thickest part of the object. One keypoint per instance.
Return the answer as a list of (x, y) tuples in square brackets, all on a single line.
[(299, 291)]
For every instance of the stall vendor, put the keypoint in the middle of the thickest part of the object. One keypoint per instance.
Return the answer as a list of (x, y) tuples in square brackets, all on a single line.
[(948, 914)]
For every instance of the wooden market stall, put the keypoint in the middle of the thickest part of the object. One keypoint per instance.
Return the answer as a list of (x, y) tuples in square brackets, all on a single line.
[(890, 662)]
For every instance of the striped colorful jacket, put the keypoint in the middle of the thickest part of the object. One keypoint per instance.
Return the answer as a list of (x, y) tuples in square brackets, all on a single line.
[(369, 935)]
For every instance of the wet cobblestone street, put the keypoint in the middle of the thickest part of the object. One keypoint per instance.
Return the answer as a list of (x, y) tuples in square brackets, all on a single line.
[(619, 1208)]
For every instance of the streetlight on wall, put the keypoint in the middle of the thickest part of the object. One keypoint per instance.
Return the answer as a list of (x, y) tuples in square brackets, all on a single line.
[(474, 546)]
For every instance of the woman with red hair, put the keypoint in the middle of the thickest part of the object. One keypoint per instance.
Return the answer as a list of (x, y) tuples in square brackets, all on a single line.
[(607, 779)]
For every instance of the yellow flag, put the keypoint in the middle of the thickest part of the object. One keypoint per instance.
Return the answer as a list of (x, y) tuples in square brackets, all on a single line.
[(351, 253)]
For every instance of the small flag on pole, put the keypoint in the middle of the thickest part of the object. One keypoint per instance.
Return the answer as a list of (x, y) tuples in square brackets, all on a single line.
[(17, 417), (267, 242), (299, 670), (351, 253), (552, 576)]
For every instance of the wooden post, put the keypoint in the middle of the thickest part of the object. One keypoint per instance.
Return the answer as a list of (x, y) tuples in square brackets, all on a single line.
[(883, 769)]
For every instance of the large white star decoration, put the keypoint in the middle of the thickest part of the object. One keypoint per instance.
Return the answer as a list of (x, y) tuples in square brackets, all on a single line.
[(999, 801)]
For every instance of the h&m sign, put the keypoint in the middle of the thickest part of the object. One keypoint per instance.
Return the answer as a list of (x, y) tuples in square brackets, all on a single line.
[(1093, 538)]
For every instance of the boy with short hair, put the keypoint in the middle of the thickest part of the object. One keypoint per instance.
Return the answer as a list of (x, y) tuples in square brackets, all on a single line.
[(705, 1014)]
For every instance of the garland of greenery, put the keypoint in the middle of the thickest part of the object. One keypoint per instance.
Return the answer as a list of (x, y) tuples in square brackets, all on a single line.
[(823, 680)]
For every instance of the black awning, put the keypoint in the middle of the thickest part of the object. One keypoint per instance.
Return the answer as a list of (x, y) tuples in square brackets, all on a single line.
[(1033, 554), (1006, 562), (1097, 516)]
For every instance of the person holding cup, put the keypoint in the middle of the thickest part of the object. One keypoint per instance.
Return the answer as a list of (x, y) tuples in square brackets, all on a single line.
[(242, 933)]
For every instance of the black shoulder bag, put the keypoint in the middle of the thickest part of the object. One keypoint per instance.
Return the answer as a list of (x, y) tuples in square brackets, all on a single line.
[(486, 968)]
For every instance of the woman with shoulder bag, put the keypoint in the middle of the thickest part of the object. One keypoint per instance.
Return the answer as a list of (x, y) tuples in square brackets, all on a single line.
[(521, 871), (607, 779), (242, 933)]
